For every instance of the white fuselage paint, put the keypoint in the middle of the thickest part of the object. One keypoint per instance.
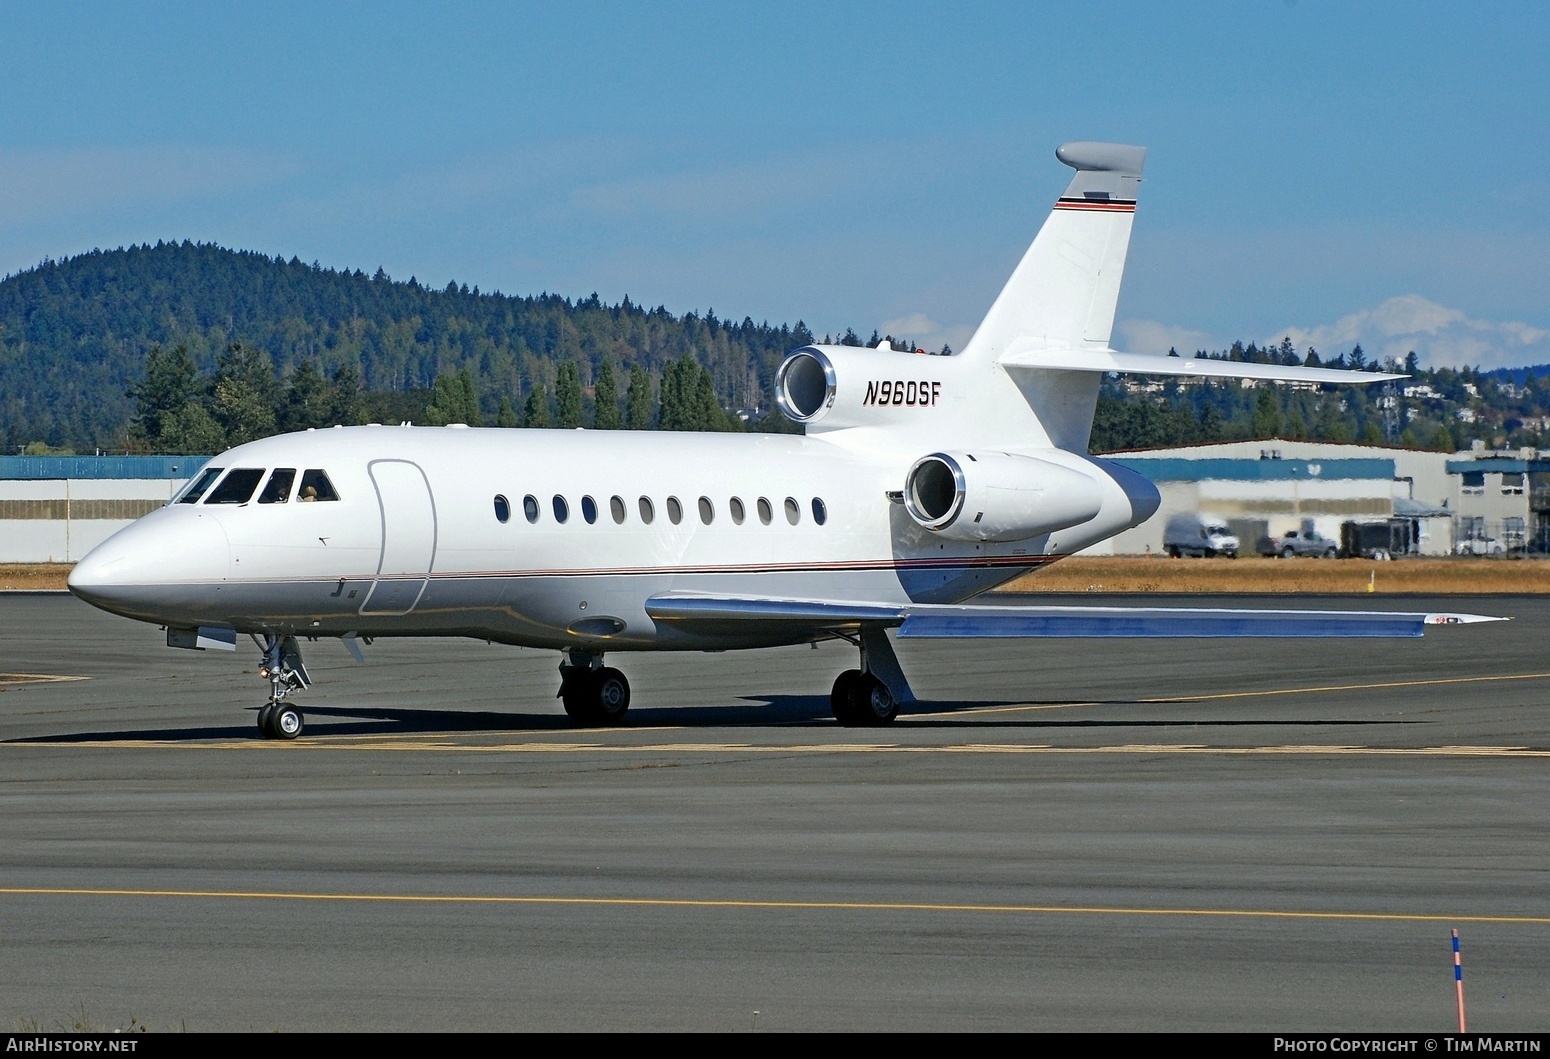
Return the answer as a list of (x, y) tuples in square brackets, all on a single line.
[(414, 547)]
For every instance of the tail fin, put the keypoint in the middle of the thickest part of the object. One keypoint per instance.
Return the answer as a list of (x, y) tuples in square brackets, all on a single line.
[(1063, 293)]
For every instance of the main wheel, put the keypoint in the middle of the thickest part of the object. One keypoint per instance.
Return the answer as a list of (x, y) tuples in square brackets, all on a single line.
[(1287, 553), (576, 695), (844, 699), (875, 702), (610, 696), (1173, 551), (287, 721), (266, 720)]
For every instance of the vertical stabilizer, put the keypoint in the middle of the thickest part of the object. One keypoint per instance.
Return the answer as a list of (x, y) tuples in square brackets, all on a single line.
[(1063, 293)]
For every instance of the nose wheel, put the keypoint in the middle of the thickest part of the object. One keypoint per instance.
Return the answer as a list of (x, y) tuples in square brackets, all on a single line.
[(283, 668), (277, 720)]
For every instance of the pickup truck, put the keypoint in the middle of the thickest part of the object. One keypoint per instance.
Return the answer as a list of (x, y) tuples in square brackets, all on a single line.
[(1306, 541)]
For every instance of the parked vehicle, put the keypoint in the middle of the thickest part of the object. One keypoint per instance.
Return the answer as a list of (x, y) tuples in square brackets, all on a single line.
[(1380, 538), (1305, 541), (1199, 536), (1480, 546)]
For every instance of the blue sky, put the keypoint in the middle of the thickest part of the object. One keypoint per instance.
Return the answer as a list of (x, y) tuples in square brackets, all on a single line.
[(1339, 172)]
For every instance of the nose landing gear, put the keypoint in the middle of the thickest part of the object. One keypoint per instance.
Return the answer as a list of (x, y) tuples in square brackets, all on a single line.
[(593, 694), (283, 668)]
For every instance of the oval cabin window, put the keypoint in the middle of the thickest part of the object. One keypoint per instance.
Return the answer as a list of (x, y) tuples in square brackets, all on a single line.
[(675, 510), (530, 507), (561, 509), (502, 509), (735, 508), (589, 509), (617, 509), (766, 513), (707, 511), (647, 510), (793, 511), (820, 512)]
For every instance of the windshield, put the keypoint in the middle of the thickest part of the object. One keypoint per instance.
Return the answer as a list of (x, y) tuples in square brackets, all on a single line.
[(196, 489), (237, 487)]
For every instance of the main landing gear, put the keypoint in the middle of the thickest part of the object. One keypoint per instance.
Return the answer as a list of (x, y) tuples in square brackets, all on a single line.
[(871, 695), (282, 667), (593, 694)]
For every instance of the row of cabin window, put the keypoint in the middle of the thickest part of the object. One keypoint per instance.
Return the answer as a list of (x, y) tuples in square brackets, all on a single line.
[(238, 486), (531, 510)]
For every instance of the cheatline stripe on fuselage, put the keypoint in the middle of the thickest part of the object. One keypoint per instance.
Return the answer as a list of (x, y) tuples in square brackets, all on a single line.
[(969, 562), (1100, 205)]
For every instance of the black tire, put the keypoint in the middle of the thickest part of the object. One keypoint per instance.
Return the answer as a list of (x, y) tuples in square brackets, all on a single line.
[(874, 702), (1331, 553), (844, 699), (1287, 553), (266, 721), (287, 721), (576, 696), (610, 696), (1172, 550), (1231, 555)]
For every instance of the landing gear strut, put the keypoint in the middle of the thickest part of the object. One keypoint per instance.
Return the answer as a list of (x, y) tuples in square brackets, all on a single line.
[(870, 695), (283, 669), (593, 694)]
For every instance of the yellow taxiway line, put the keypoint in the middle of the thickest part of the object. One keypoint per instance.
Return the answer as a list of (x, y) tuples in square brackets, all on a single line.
[(770, 905)]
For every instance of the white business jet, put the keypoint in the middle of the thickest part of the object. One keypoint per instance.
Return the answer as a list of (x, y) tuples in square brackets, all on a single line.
[(920, 482)]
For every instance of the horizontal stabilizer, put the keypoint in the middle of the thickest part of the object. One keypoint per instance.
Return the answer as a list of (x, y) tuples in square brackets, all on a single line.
[(969, 621), (1108, 360)]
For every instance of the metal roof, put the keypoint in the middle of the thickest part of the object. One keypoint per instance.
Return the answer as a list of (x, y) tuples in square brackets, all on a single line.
[(1182, 469), (31, 468)]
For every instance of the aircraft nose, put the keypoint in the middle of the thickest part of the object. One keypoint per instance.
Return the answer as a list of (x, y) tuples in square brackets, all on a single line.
[(159, 550)]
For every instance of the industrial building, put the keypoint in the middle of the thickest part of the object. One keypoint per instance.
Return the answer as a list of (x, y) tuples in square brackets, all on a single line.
[(55, 509)]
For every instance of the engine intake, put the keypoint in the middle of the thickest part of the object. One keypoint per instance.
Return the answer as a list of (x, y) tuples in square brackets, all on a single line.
[(805, 385), (996, 496)]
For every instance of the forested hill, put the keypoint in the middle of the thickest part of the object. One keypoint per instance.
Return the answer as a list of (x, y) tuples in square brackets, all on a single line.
[(188, 347), (74, 335)]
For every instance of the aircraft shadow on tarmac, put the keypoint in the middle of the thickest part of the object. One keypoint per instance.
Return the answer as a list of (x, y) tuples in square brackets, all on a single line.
[(763, 711)]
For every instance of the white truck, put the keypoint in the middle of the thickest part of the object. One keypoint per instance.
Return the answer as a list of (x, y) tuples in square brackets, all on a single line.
[(1199, 536)]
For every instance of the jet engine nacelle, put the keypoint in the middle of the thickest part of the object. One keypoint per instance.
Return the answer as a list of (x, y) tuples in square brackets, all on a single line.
[(996, 496), (850, 386)]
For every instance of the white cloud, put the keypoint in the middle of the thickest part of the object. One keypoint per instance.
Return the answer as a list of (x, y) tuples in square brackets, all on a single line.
[(1440, 336), (926, 333), (1152, 336)]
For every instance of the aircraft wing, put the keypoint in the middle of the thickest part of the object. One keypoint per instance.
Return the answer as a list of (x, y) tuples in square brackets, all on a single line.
[(1108, 360), (975, 621)]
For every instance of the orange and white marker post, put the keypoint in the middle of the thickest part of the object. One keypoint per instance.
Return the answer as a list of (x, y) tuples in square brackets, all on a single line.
[(1458, 978)]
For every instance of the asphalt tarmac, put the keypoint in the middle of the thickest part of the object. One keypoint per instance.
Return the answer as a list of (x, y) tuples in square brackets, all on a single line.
[(1063, 835)]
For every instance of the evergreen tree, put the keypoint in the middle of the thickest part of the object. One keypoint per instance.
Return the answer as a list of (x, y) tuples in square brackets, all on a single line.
[(308, 400), (605, 398), (170, 383), (507, 416), (242, 394), (344, 396), (535, 412), (454, 400), (675, 412), (1267, 414), (191, 430), (637, 401), (567, 396)]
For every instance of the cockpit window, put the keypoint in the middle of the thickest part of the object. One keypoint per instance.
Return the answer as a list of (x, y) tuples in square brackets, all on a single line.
[(237, 487), (278, 490), (316, 486), (197, 489)]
